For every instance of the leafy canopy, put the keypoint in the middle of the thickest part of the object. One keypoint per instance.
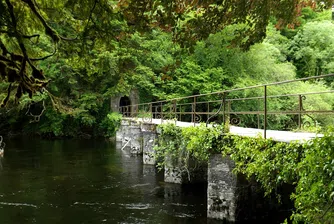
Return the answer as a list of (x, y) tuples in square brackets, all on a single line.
[(32, 31)]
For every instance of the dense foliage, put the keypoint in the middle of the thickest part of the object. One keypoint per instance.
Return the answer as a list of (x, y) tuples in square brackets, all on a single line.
[(33, 31), (78, 54), (308, 166)]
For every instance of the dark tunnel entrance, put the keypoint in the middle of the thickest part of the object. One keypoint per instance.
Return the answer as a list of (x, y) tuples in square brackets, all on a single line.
[(124, 104)]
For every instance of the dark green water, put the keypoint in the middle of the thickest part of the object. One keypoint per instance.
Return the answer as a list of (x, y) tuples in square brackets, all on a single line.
[(89, 181)]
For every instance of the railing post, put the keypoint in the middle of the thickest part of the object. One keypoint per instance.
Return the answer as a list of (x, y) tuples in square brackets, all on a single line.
[(194, 111), (151, 111), (180, 113), (300, 107), (174, 107), (258, 114), (162, 113), (224, 108), (265, 112), (208, 110), (229, 109)]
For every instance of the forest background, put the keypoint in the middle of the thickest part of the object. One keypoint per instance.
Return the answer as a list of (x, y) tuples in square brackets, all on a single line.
[(112, 55)]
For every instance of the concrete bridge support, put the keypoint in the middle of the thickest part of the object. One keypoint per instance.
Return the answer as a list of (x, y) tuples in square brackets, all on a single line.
[(173, 172), (222, 189), (130, 136), (177, 172), (149, 140), (139, 138)]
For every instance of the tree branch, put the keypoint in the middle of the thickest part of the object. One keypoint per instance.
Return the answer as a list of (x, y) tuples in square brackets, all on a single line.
[(31, 36), (36, 117), (4, 31), (48, 30), (91, 13), (329, 207), (16, 33), (45, 57), (24, 36), (2, 58)]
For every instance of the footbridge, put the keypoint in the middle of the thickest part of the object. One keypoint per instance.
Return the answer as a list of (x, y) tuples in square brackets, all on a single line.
[(279, 110), (276, 106)]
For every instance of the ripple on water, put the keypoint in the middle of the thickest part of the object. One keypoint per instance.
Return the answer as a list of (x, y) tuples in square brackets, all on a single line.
[(140, 185), (18, 204), (183, 215), (137, 206), (93, 203), (181, 205)]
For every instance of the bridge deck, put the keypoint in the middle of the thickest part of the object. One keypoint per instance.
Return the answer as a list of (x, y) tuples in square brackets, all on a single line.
[(282, 136)]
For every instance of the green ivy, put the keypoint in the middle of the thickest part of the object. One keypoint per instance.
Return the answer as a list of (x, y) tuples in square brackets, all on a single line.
[(314, 196), (308, 166), (170, 144), (111, 123)]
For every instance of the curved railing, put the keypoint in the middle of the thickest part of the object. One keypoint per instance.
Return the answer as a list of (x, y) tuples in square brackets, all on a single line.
[(231, 105)]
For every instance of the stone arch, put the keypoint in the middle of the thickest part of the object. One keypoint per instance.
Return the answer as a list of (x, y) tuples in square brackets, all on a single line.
[(124, 100)]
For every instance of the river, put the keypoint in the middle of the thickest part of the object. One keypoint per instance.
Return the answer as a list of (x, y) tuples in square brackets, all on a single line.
[(89, 181)]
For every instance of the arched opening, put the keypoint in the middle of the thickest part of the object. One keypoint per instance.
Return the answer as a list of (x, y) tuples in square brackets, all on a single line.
[(124, 104)]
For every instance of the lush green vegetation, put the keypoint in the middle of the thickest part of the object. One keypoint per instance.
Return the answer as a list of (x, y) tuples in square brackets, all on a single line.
[(65, 59), (309, 167)]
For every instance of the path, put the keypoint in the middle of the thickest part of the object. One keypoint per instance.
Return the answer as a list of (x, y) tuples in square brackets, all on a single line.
[(282, 136)]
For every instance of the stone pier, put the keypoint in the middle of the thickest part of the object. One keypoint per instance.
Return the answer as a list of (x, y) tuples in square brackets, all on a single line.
[(222, 186), (138, 138), (130, 136), (173, 172), (149, 139), (233, 198), (179, 173)]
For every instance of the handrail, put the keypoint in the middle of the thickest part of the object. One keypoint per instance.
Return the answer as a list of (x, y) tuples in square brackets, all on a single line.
[(195, 109)]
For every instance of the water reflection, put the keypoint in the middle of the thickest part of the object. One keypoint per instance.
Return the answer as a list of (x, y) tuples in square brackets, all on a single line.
[(89, 181), (2, 148), (1, 158)]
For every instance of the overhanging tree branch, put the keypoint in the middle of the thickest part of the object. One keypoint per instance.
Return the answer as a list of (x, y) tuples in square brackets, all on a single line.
[(26, 84), (48, 30), (31, 36)]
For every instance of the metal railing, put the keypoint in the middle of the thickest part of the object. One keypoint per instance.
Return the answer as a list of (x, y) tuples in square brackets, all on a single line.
[(258, 104)]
